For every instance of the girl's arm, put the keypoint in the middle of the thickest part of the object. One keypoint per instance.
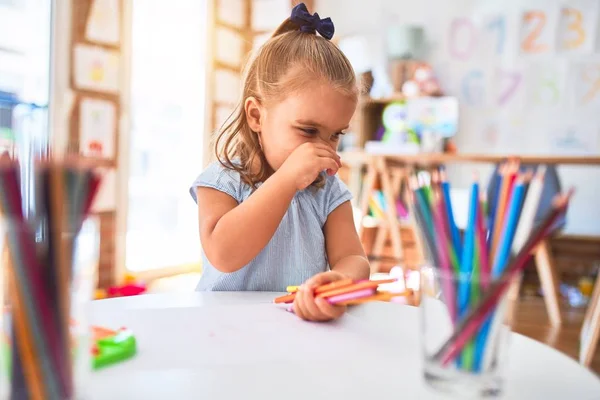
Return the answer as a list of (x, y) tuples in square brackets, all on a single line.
[(347, 260), (233, 234), (344, 249)]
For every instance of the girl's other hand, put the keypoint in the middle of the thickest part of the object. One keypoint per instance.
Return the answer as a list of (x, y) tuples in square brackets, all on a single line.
[(307, 307), (307, 161)]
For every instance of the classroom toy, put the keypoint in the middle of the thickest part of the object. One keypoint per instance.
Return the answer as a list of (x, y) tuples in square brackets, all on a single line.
[(109, 347), (131, 287), (112, 347)]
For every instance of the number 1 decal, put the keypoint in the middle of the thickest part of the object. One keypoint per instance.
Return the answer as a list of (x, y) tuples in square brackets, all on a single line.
[(537, 21), (499, 24)]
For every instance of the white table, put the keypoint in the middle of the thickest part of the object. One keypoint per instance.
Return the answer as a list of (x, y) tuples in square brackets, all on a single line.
[(200, 346)]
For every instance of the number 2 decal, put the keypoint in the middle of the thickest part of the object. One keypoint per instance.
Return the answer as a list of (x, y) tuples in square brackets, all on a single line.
[(537, 19)]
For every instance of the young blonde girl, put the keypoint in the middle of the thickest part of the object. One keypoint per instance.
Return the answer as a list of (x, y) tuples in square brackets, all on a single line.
[(272, 211)]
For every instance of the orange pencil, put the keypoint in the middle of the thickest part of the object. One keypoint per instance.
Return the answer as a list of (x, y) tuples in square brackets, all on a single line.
[(288, 298), (356, 286), (335, 288), (505, 171)]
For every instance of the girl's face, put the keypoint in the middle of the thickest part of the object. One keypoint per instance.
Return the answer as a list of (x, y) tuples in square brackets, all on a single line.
[(316, 113)]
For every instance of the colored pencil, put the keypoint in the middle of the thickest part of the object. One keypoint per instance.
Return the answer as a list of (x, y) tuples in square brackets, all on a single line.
[(491, 254), (502, 257), (40, 271), (449, 212), (349, 296), (379, 296), (484, 266), (473, 321), (530, 207), (337, 287)]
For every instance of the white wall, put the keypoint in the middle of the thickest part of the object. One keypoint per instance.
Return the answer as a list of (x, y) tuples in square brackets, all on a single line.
[(370, 19)]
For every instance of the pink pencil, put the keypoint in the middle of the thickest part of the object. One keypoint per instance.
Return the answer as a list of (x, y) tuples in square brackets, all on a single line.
[(484, 262), (443, 241), (351, 296)]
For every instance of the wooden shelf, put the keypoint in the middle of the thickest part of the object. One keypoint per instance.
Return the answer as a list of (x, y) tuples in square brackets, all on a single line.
[(381, 100), (354, 157)]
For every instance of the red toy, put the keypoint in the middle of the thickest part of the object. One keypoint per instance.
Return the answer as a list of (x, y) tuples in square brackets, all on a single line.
[(130, 288)]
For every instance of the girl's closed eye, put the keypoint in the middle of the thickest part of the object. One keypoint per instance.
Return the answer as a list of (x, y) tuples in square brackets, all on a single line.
[(309, 131), (336, 136)]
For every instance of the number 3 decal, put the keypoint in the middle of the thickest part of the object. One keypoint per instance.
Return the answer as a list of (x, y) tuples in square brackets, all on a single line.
[(538, 20), (575, 26)]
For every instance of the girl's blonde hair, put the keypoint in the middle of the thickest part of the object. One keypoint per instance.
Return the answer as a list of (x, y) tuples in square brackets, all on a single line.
[(266, 78)]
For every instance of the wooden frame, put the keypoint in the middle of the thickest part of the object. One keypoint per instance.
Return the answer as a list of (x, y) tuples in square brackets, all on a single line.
[(75, 139), (79, 18)]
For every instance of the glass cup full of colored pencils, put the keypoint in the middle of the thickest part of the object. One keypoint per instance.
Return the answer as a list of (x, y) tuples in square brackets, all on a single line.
[(49, 259), (465, 303)]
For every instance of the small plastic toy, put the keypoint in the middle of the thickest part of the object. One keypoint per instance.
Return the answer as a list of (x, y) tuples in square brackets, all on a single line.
[(131, 287), (112, 347)]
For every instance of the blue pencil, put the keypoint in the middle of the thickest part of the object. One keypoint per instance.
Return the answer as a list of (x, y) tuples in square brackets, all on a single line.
[(493, 205), (466, 261), (501, 260), (451, 222)]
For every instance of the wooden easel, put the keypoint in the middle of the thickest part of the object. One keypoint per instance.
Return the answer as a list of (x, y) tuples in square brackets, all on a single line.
[(390, 180), (590, 331)]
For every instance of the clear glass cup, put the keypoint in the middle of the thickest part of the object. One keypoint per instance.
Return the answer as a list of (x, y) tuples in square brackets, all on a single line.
[(44, 352), (463, 365)]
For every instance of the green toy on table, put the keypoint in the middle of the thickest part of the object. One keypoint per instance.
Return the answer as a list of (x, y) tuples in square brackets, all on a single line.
[(110, 347)]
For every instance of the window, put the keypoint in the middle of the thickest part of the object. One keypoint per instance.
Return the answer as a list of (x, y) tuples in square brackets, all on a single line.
[(167, 116)]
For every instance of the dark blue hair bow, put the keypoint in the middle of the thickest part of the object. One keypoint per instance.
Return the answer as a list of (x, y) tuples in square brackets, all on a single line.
[(311, 23)]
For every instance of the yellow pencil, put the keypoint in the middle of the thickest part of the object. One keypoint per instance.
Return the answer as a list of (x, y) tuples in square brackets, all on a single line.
[(292, 289)]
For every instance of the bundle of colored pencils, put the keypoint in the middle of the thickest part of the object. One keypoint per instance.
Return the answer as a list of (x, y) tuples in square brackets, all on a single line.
[(40, 245), (475, 269), (347, 292)]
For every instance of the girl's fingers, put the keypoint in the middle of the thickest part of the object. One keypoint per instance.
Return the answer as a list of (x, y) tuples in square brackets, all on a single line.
[(328, 164), (311, 309), (297, 306), (323, 278), (331, 311), (326, 151)]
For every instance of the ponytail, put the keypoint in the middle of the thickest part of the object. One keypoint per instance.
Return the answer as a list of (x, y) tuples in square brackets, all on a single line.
[(286, 26)]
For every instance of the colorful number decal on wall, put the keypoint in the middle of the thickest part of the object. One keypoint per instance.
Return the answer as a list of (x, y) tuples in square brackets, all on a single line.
[(499, 24), (537, 21), (591, 75), (547, 91), (458, 49), (513, 80), (472, 87), (575, 32)]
